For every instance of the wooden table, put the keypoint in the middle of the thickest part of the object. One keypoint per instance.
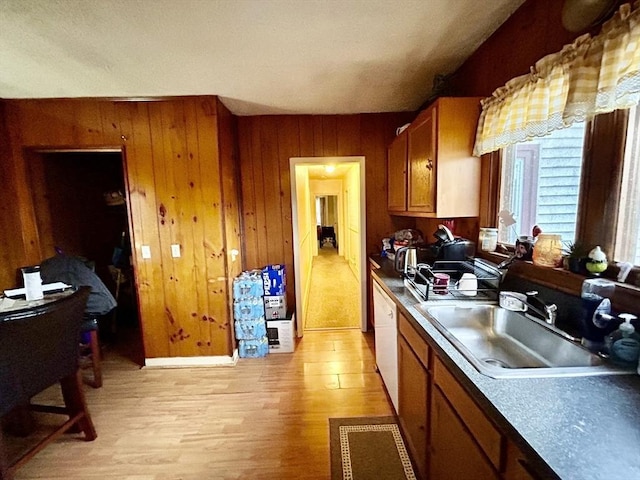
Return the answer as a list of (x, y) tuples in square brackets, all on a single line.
[(39, 348)]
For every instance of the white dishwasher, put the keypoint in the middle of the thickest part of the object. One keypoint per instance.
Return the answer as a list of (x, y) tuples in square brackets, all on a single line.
[(386, 343)]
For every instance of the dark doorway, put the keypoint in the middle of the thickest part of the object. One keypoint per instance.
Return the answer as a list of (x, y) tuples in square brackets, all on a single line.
[(80, 197)]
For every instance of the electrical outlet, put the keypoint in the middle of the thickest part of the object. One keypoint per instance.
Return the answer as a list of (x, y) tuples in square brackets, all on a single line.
[(146, 251), (175, 250)]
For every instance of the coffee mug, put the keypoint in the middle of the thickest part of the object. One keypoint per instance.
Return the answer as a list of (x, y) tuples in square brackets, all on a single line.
[(441, 283), (468, 284)]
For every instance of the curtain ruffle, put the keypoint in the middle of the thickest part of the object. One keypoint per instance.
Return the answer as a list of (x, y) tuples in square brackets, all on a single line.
[(590, 76)]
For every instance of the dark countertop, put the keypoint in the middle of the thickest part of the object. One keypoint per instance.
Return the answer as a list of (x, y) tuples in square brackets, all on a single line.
[(573, 427)]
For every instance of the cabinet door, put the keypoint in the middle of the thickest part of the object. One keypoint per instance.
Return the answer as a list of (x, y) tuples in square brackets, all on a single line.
[(413, 389), (454, 454), (518, 467), (422, 163), (397, 174)]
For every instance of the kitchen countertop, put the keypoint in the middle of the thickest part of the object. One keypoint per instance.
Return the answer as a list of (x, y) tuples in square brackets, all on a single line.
[(572, 427)]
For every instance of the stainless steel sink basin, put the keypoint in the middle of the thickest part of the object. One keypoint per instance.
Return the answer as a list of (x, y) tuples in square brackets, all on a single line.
[(504, 344)]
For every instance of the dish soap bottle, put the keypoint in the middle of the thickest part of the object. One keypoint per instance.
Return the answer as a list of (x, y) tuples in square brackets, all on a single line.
[(624, 343)]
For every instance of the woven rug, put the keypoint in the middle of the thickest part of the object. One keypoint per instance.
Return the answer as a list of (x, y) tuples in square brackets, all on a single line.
[(368, 448)]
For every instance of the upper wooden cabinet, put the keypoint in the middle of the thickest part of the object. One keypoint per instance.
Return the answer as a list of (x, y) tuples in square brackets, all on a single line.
[(438, 176), (397, 178)]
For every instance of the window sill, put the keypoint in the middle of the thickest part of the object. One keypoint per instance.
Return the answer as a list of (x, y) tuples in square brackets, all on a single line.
[(625, 299)]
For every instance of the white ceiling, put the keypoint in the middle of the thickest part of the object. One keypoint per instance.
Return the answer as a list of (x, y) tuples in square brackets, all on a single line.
[(259, 56)]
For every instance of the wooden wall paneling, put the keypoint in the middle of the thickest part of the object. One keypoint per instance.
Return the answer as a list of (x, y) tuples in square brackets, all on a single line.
[(32, 252), (259, 165), (348, 135), (12, 252), (134, 124), (306, 135), (249, 245), (181, 228), (178, 229), (86, 123), (166, 216), (230, 180), (318, 140), (533, 31), (217, 316), (111, 128), (196, 161), (272, 198), (330, 136), (288, 147), (40, 196)]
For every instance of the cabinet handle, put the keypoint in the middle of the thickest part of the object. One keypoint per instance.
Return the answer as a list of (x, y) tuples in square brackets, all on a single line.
[(429, 164), (527, 468)]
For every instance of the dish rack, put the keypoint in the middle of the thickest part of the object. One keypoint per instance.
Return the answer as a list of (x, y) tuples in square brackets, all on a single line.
[(421, 284)]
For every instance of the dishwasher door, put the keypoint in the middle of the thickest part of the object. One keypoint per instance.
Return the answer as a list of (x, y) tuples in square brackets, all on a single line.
[(386, 342)]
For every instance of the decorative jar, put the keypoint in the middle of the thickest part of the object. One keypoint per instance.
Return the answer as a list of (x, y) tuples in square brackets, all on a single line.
[(488, 239), (547, 251)]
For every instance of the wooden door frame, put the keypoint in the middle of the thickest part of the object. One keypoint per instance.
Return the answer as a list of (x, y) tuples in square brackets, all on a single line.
[(300, 161)]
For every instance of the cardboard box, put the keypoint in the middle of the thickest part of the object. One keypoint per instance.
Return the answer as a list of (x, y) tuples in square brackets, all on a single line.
[(282, 335), (275, 307), (274, 280)]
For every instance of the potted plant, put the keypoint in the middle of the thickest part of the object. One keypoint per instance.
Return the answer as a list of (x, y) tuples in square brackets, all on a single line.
[(574, 254)]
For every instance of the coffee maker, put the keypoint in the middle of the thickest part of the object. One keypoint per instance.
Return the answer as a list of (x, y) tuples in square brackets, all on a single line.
[(448, 247)]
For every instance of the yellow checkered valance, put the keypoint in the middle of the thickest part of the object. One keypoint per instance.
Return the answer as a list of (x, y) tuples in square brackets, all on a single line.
[(590, 76)]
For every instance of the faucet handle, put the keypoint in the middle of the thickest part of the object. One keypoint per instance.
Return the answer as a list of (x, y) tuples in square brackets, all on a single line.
[(531, 293)]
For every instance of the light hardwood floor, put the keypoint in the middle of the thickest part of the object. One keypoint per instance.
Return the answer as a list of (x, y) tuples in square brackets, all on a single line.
[(263, 419)]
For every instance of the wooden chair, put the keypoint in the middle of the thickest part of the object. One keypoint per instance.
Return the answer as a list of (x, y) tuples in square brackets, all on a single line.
[(39, 348), (90, 352)]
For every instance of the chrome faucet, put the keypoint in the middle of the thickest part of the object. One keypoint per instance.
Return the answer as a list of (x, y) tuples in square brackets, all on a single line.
[(546, 311)]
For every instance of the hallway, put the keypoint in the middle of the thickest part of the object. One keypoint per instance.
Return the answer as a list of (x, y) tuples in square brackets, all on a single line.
[(267, 418), (334, 297)]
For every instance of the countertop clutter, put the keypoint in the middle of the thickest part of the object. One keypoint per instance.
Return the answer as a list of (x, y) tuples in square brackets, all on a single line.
[(569, 427)]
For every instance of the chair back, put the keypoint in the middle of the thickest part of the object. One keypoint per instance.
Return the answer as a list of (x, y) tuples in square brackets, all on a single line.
[(38, 347)]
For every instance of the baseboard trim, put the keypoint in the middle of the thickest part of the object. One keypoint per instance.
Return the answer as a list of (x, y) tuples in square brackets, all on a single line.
[(179, 362)]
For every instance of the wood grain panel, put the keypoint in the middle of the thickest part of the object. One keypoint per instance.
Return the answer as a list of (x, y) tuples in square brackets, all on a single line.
[(134, 127), (196, 218), (173, 178), (230, 180), (288, 147), (532, 32), (267, 143), (217, 316), (247, 183), (12, 253)]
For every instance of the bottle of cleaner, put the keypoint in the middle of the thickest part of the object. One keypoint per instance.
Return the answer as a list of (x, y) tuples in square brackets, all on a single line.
[(596, 308), (624, 343)]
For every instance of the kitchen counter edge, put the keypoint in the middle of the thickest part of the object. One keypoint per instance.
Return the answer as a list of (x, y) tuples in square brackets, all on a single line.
[(570, 427)]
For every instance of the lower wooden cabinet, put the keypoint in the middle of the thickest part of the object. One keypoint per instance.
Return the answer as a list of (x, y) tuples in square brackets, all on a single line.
[(454, 453), (447, 434), (413, 395), (518, 467)]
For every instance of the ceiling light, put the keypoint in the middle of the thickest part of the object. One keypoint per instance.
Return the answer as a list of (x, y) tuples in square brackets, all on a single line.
[(329, 168)]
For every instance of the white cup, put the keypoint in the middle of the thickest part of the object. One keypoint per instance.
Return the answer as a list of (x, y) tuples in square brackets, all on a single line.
[(468, 284), (32, 283)]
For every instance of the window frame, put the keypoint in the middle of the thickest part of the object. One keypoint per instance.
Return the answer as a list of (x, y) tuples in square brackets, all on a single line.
[(600, 186)]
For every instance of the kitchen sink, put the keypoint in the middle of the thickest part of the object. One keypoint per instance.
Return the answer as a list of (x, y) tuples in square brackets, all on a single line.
[(501, 343)]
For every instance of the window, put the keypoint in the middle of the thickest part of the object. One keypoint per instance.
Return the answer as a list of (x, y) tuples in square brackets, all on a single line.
[(540, 184), (627, 242)]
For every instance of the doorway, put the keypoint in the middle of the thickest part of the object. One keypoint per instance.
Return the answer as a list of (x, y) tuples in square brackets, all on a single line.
[(81, 210), (328, 200)]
